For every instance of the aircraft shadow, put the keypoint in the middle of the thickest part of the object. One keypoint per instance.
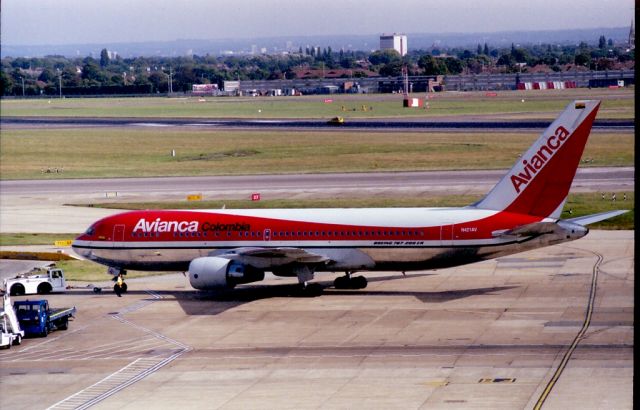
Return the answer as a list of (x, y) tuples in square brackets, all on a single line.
[(215, 302)]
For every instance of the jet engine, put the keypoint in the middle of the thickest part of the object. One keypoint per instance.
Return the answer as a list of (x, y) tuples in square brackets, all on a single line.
[(215, 273)]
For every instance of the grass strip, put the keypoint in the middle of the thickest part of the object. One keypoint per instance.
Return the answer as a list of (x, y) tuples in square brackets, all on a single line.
[(540, 103), (135, 152)]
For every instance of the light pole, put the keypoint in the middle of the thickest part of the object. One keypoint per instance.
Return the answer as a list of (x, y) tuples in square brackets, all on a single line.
[(170, 85), (60, 81), (22, 78)]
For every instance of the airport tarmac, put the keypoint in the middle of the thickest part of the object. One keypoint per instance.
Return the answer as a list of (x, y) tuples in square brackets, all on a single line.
[(487, 335)]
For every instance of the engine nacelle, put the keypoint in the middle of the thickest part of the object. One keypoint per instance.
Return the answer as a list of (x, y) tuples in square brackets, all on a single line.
[(214, 273)]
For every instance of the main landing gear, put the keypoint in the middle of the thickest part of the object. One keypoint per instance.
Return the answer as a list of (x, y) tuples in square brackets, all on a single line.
[(306, 288), (350, 282)]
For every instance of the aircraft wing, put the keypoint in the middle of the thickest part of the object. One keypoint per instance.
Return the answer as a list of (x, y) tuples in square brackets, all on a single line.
[(272, 257), (593, 218)]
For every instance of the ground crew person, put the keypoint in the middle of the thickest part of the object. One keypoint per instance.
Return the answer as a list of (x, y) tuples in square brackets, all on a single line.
[(118, 286)]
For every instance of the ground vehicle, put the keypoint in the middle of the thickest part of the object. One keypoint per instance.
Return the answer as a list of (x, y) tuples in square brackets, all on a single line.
[(38, 319), (10, 331), (37, 281)]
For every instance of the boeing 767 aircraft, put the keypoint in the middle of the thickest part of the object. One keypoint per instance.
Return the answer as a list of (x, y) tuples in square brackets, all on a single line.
[(224, 248)]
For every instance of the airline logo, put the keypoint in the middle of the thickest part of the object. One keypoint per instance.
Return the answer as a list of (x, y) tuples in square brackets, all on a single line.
[(158, 225), (165, 226), (534, 164)]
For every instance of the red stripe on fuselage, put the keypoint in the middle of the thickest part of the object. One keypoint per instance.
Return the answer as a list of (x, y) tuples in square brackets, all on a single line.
[(172, 226)]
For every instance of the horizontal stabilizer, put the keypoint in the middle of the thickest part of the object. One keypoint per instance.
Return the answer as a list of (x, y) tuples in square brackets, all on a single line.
[(593, 218), (534, 229)]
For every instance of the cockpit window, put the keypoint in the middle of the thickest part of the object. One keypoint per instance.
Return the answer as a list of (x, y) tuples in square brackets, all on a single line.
[(91, 230)]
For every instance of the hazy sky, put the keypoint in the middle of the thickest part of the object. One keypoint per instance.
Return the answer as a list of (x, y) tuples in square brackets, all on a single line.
[(41, 22)]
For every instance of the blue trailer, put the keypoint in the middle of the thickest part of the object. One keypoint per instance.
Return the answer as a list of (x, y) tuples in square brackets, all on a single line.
[(38, 319)]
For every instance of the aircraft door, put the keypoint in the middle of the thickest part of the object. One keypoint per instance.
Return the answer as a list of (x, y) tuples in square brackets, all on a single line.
[(446, 235), (118, 233), (56, 279)]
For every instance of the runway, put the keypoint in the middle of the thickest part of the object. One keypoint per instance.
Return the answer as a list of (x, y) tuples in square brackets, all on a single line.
[(486, 335), (355, 123)]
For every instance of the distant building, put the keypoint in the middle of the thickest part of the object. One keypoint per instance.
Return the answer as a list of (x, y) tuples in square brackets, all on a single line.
[(394, 41), (632, 37)]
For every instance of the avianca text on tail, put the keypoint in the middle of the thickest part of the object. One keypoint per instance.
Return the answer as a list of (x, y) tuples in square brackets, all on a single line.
[(535, 163), (225, 248)]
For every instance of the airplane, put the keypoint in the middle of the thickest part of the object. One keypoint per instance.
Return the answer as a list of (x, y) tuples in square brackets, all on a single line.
[(225, 248)]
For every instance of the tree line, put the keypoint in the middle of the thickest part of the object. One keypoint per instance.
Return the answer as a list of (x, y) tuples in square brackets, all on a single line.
[(153, 75)]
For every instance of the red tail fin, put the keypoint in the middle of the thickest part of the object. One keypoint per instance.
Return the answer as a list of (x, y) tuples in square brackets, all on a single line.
[(538, 184)]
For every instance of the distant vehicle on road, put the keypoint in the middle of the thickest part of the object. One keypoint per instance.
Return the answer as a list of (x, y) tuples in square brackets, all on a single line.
[(336, 121), (36, 281)]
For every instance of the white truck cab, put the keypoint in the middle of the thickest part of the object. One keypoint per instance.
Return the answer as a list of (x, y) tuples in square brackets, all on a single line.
[(37, 281)]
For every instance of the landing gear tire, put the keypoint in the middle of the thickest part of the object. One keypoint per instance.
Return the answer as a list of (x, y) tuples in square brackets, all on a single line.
[(341, 282), (119, 289), (347, 282), (311, 290), (359, 282)]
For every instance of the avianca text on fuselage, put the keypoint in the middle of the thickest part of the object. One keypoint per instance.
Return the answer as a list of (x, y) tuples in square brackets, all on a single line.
[(541, 157), (159, 226)]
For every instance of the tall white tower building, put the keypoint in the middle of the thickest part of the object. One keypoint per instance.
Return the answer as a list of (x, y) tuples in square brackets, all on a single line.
[(394, 41)]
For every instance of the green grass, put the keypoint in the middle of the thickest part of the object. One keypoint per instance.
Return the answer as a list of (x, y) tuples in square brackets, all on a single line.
[(538, 104), (9, 239), (86, 271), (134, 152), (591, 203)]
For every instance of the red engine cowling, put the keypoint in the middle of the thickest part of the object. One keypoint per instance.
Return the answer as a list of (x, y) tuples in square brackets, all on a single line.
[(214, 273)]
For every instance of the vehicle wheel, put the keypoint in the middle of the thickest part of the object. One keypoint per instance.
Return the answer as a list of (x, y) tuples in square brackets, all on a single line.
[(44, 288), (18, 340), (359, 282), (64, 325), (17, 290)]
